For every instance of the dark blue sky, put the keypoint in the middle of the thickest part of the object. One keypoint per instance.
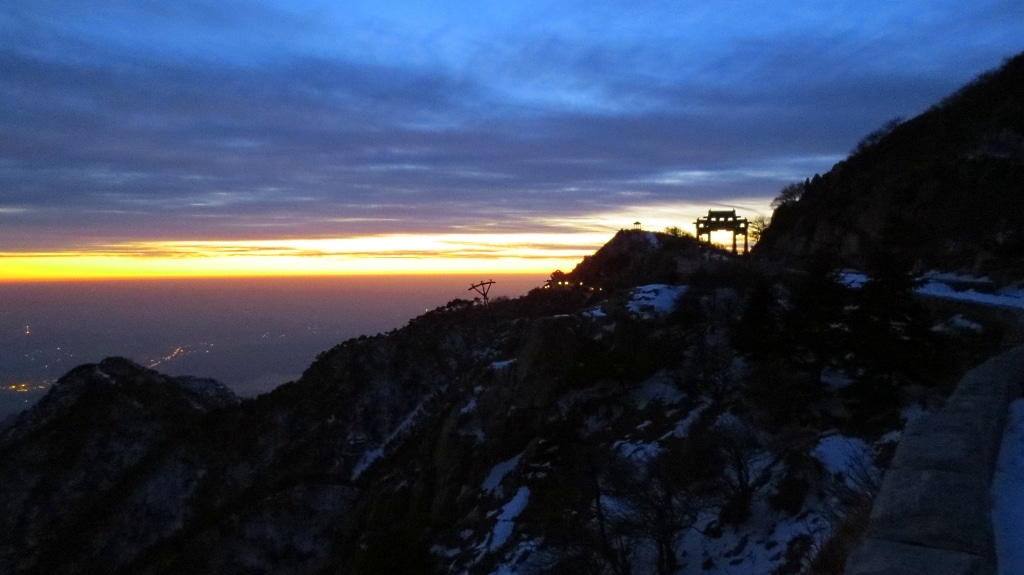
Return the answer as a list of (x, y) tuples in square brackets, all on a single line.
[(129, 120)]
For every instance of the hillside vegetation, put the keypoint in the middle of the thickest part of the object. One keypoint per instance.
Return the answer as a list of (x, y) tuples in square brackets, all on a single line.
[(943, 190)]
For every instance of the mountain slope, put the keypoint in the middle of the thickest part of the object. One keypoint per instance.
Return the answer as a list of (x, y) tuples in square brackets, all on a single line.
[(76, 448), (571, 430), (944, 190)]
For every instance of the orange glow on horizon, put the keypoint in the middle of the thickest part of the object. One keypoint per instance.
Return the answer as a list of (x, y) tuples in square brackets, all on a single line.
[(371, 255), (383, 254)]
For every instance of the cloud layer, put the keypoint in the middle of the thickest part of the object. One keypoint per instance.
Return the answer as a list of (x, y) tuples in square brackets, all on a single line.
[(126, 121)]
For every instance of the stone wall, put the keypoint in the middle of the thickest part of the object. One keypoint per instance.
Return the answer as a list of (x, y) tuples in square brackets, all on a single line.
[(933, 512)]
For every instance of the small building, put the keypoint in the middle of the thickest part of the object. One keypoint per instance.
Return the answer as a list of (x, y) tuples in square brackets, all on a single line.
[(723, 220)]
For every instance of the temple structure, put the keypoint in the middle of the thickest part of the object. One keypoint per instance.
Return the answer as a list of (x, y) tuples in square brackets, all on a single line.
[(723, 220)]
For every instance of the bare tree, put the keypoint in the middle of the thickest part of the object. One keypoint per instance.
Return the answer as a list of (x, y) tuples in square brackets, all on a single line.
[(748, 466), (758, 224), (646, 508), (790, 194)]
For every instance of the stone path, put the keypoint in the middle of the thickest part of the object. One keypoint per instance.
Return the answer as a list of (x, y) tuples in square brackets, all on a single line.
[(933, 512)]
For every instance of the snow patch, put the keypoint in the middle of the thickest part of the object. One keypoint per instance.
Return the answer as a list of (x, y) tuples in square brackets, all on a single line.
[(366, 461), (498, 473), (502, 365), (754, 548), (641, 450), (1004, 298), (655, 299), (400, 430), (507, 518), (853, 278), (682, 428), (842, 454), (516, 561), (942, 285)]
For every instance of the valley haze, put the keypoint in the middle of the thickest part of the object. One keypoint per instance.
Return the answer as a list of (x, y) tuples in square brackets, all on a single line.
[(251, 333)]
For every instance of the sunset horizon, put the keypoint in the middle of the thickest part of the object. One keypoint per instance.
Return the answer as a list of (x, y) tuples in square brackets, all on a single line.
[(387, 253), (202, 139)]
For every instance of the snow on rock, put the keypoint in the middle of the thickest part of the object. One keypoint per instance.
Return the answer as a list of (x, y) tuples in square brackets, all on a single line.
[(404, 427), (1008, 495), (104, 375), (498, 473), (1005, 298), (682, 427), (654, 299), (842, 454), (757, 547), (366, 461), (502, 365), (852, 278), (507, 518), (949, 286), (518, 559), (640, 450)]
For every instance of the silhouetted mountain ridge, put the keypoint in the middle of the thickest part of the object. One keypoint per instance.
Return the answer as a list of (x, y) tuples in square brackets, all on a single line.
[(637, 257), (943, 190)]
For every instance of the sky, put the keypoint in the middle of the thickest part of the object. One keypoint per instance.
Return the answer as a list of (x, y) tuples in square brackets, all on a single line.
[(213, 137)]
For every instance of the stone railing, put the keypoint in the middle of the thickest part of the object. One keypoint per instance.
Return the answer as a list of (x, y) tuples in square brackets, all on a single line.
[(933, 513)]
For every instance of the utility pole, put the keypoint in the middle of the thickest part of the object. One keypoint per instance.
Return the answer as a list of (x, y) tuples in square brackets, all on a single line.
[(482, 288)]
